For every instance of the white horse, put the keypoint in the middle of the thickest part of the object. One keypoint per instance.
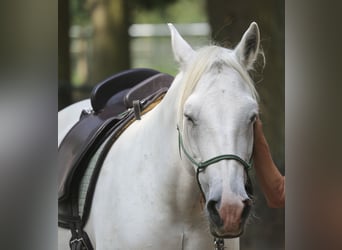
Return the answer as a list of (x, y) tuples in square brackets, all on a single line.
[(147, 194)]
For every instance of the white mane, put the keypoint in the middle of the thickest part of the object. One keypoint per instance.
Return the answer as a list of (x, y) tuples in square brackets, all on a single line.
[(205, 60)]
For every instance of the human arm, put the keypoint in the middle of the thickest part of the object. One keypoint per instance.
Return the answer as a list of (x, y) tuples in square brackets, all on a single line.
[(270, 179)]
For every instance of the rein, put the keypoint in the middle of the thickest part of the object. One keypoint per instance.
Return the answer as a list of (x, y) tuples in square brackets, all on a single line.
[(202, 165)]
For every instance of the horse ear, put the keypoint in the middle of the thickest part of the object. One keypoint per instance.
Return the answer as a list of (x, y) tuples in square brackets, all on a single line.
[(248, 48), (182, 51)]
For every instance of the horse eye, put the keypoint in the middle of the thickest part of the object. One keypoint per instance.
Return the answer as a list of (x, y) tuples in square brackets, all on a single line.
[(253, 118), (189, 118)]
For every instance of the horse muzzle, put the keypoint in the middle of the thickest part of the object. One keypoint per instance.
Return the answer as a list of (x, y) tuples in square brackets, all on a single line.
[(227, 220)]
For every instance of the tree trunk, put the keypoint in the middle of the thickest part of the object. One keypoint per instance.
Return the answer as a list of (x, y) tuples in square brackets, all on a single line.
[(110, 19), (64, 90)]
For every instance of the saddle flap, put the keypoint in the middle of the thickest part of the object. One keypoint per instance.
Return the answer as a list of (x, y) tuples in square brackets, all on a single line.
[(157, 83)]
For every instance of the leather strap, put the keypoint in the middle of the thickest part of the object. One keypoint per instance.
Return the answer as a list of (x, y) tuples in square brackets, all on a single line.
[(201, 166)]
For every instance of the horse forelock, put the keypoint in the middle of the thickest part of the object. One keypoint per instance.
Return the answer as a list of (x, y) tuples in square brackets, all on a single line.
[(211, 59)]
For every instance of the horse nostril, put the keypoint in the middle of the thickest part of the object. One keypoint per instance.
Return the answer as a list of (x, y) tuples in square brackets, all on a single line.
[(248, 202), (213, 213), (248, 205)]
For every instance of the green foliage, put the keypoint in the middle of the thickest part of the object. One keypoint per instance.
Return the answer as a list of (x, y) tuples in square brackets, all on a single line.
[(148, 11), (78, 12), (152, 4), (182, 11)]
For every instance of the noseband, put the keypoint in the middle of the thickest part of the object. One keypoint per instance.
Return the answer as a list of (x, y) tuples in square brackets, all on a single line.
[(202, 165)]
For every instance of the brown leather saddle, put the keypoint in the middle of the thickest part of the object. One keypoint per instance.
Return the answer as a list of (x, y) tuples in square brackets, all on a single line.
[(116, 102)]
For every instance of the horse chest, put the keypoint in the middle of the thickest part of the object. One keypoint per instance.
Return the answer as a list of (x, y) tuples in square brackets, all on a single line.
[(141, 212)]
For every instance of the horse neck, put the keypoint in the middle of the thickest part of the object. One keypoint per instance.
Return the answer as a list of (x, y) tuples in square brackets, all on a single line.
[(166, 116), (166, 113)]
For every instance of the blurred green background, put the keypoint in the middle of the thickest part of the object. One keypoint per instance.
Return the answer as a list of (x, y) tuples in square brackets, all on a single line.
[(98, 38)]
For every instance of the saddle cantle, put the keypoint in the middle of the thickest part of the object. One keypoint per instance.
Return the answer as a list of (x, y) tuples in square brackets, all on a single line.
[(112, 103), (104, 91)]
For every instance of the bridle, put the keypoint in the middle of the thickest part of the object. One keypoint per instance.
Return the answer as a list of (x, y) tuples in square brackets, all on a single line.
[(202, 165)]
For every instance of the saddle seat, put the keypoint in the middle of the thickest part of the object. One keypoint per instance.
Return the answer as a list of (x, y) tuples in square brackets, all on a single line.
[(116, 103)]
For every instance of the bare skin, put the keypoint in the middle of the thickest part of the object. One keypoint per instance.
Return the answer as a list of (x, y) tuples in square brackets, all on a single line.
[(270, 179)]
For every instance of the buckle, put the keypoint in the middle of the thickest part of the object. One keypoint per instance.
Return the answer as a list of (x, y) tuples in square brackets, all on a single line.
[(218, 243), (77, 242)]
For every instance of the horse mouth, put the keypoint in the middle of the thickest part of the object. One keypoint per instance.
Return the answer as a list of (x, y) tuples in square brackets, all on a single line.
[(216, 223), (217, 232), (217, 228)]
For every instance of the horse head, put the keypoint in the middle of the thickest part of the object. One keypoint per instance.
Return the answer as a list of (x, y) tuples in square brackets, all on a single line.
[(215, 120)]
